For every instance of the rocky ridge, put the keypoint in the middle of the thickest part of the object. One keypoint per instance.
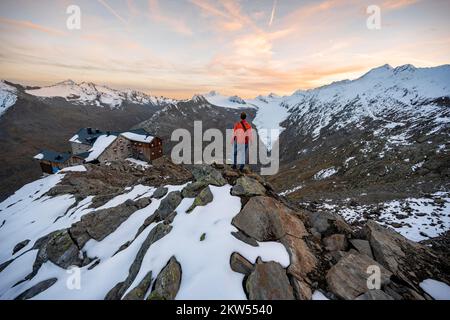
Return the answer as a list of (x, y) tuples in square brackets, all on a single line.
[(270, 248)]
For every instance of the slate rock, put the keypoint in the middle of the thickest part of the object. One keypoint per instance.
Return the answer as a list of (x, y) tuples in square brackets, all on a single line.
[(248, 187), (160, 192), (335, 242), (362, 246), (168, 282), (266, 219), (268, 281), (20, 246), (239, 264), (138, 293), (169, 204), (348, 278), (204, 197), (208, 175)]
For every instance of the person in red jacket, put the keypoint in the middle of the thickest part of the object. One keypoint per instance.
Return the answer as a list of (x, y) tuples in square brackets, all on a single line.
[(242, 136)]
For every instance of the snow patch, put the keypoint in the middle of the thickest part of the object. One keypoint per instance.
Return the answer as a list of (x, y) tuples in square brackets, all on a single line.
[(100, 144), (137, 137), (325, 173), (79, 168), (8, 97), (436, 289)]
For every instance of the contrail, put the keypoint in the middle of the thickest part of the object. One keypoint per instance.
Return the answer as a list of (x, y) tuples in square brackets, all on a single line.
[(273, 12), (113, 12)]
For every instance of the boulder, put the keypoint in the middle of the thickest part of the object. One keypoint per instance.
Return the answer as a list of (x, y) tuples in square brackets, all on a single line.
[(204, 197), (62, 251), (230, 174), (160, 192), (348, 278), (385, 245), (268, 281), (266, 219), (240, 236), (374, 295), (327, 223), (99, 224), (239, 264), (159, 231), (20, 246), (138, 293), (36, 289), (248, 187), (209, 175), (303, 261), (168, 282), (362, 246), (302, 290), (410, 261), (148, 221), (193, 189), (169, 204), (142, 202), (335, 242)]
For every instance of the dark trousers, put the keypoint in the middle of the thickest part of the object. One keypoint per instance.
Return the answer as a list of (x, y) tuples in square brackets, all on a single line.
[(241, 166)]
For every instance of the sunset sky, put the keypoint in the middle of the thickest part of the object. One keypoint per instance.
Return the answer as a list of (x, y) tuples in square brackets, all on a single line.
[(177, 48)]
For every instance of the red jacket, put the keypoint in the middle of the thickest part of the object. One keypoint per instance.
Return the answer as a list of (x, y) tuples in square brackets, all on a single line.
[(242, 132)]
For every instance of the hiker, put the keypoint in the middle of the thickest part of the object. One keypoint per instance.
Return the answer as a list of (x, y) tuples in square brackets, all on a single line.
[(242, 136)]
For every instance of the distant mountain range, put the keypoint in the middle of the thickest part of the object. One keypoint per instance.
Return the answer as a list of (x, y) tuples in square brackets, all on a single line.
[(375, 139)]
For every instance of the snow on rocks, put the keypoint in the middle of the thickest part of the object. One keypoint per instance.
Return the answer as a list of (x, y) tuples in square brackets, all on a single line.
[(100, 144), (139, 163), (8, 97), (184, 243), (292, 190), (436, 289), (317, 295), (106, 258), (325, 173), (219, 100), (125, 249), (137, 137), (90, 93), (415, 218), (75, 139), (79, 168)]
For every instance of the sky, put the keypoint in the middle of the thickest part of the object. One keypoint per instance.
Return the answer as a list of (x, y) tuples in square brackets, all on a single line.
[(178, 48)]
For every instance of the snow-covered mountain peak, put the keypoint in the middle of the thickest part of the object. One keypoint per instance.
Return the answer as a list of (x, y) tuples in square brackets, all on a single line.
[(88, 93), (236, 99), (233, 102), (379, 94), (405, 68), (198, 98)]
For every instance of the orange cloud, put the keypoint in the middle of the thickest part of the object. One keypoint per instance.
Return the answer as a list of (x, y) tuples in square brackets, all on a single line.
[(230, 13), (397, 4), (174, 23), (32, 26)]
